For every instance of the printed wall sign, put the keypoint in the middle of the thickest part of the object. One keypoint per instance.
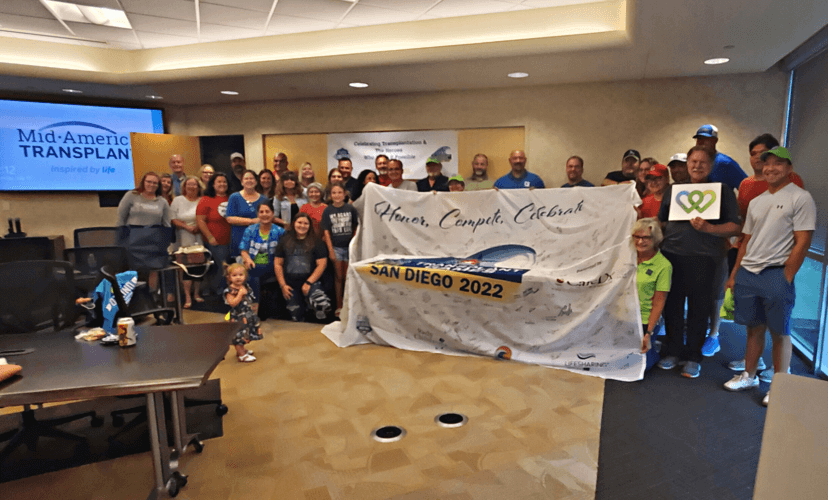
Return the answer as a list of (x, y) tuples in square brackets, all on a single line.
[(696, 200), (544, 276), (412, 148)]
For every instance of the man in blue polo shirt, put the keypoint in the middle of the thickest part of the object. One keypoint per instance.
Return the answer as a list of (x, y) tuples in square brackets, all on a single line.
[(518, 178), (725, 168)]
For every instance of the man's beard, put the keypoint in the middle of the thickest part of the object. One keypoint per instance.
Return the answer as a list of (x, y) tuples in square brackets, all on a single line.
[(433, 175), (479, 174), (383, 172)]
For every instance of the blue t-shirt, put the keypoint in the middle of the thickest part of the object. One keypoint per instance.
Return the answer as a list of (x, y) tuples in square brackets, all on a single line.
[(583, 183), (727, 171), (528, 180), (237, 206)]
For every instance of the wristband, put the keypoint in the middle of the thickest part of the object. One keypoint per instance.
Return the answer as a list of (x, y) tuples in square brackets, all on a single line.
[(309, 283)]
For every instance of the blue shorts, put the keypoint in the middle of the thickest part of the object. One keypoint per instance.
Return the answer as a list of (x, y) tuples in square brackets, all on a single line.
[(341, 253), (764, 299)]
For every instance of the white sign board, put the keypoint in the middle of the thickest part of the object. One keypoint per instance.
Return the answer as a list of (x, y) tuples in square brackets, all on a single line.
[(696, 200), (412, 148), (544, 276)]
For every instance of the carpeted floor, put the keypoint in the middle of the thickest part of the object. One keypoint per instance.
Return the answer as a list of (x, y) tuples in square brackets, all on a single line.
[(668, 437)]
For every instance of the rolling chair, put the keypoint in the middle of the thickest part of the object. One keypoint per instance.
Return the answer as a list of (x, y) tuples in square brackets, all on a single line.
[(96, 236), (88, 261), (37, 295)]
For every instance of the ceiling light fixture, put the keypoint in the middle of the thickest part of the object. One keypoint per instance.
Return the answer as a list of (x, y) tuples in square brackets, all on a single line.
[(717, 60), (358, 85), (101, 16), (518, 75), (155, 97), (229, 92), (73, 91)]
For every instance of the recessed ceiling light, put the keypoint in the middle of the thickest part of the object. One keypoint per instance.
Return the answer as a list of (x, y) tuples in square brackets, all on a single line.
[(229, 92), (717, 60), (75, 13), (358, 85), (73, 91), (155, 97), (518, 75)]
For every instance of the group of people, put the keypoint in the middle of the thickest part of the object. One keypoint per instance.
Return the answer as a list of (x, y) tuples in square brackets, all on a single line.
[(754, 249), (285, 225)]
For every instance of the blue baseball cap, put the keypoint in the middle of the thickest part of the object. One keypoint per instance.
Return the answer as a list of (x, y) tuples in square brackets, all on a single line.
[(707, 131)]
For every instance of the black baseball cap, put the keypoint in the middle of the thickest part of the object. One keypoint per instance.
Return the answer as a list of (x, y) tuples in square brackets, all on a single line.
[(633, 153)]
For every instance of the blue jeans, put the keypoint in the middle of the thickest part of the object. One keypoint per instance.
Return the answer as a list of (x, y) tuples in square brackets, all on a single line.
[(257, 275), (298, 303)]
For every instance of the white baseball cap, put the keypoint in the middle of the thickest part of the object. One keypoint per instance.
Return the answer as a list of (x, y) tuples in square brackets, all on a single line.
[(682, 157)]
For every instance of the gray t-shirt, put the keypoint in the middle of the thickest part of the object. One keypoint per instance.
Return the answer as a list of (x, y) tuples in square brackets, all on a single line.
[(771, 222), (680, 238), (135, 210)]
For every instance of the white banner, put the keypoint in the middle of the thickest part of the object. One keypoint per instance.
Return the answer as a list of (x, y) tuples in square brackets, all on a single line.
[(543, 276), (412, 148)]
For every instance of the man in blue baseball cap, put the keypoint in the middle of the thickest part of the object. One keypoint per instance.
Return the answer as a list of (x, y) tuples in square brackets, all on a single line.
[(725, 168)]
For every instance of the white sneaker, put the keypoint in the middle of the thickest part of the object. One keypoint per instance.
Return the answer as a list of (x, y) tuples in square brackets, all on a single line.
[(766, 399), (739, 365), (246, 358), (741, 382)]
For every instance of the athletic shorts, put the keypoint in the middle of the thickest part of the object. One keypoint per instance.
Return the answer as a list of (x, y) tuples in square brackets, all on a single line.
[(764, 299)]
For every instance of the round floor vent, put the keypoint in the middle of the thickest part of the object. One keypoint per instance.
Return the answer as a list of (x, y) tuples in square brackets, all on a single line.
[(388, 434), (451, 420)]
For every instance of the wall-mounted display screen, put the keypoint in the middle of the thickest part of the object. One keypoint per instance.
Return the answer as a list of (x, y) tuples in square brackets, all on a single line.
[(69, 147)]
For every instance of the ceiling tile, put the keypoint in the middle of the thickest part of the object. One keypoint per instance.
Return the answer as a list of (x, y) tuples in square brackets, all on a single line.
[(364, 15), (156, 40), (150, 24), (173, 9), (107, 33), (555, 3), (35, 24), (257, 5), (215, 32), (454, 8), (280, 25), (324, 10), (414, 6), (33, 9), (229, 16)]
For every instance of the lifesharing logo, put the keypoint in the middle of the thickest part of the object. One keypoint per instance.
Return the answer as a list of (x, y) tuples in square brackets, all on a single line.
[(697, 200)]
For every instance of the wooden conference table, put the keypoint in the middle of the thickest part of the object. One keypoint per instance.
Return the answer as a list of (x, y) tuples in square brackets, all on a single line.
[(165, 359)]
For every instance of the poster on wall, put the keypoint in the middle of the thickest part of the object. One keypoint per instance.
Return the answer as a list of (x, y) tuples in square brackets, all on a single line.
[(544, 276), (412, 148)]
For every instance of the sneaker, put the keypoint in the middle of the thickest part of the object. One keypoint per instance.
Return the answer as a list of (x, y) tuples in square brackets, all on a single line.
[(765, 399), (668, 362), (739, 365), (741, 382), (767, 375), (711, 346), (691, 369), (249, 352), (246, 358)]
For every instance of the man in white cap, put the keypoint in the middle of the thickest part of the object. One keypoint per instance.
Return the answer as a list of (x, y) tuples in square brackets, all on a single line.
[(725, 168), (678, 168), (778, 229), (237, 164)]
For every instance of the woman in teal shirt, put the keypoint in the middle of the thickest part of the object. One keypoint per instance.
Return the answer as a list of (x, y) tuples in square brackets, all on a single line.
[(654, 277), (258, 247)]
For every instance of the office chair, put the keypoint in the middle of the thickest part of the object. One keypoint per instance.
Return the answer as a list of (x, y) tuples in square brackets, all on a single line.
[(88, 261), (37, 295), (17, 249), (96, 236)]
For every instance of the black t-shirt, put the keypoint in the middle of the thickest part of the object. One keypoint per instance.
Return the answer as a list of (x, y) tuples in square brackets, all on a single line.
[(341, 222), (299, 264), (234, 185), (440, 184), (618, 176)]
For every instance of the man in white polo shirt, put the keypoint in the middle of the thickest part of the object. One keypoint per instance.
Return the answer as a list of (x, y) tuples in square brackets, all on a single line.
[(777, 235)]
